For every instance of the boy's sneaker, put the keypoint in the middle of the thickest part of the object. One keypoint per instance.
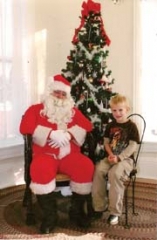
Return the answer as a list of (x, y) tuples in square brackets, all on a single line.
[(113, 220)]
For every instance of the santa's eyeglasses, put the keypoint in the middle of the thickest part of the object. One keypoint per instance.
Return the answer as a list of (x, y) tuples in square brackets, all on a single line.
[(59, 93)]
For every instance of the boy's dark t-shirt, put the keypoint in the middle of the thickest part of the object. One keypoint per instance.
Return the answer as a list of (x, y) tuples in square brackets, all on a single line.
[(119, 135)]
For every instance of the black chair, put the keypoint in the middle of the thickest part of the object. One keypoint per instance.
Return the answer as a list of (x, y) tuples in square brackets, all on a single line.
[(141, 123)]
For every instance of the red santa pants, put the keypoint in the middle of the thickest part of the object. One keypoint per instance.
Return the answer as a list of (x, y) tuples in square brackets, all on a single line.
[(45, 167)]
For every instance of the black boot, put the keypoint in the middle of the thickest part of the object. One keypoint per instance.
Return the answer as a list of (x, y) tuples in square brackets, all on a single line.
[(91, 213), (77, 210), (90, 209), (47, 202)]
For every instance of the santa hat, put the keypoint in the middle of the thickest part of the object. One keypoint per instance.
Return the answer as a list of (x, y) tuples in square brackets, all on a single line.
[(58, 82)]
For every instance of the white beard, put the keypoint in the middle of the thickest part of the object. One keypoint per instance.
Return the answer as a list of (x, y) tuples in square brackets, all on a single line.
[(59, 111)]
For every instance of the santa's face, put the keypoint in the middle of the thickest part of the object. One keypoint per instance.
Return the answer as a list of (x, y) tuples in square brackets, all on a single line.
[(58, 107), (59, 98), (59, 94)]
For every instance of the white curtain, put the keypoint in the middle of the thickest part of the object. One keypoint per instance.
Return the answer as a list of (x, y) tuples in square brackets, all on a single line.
[(16, 64), (145, 64)]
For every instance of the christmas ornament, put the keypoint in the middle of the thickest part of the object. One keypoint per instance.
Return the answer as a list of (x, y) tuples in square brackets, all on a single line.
[(81, 64), (90, 45), (103, 64), (95, 47), (94, 74)]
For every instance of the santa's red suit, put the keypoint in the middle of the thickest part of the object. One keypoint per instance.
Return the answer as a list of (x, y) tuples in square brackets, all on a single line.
[(48, 161), (58, 130)]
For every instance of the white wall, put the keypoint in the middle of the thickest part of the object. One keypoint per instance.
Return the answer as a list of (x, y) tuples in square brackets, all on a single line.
[(147, 163), (11, 172), (59, 20)]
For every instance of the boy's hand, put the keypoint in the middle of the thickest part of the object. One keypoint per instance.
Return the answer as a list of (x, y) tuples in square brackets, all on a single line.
[(112, 159)]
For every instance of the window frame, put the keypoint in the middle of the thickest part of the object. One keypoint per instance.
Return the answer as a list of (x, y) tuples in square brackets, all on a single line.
[(151, 145)]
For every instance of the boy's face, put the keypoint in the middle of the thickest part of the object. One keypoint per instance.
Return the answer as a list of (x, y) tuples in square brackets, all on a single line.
[(120, 112)]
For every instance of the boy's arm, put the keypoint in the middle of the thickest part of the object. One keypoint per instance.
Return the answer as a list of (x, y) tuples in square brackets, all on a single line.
[(107, 146), (128, 151)]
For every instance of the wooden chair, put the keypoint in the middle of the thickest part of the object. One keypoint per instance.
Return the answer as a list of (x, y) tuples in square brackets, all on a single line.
[(61, 180), (141, 124)]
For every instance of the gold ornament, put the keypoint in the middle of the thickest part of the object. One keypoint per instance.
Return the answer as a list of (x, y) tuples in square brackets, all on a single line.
[(103, 63), (81, 64), (90, 80)]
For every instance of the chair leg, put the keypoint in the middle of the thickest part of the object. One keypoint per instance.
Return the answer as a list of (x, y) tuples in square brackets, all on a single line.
[(27, 202), (126, 205), (133, 181), (133, 196)]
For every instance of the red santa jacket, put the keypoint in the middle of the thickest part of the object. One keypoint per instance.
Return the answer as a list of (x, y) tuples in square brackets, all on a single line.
[(38, 125)]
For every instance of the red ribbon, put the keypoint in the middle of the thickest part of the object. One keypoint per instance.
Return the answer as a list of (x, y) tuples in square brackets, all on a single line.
[(88, 7)]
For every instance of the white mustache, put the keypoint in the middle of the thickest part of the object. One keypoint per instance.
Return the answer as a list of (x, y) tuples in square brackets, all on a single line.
[(59, 102)]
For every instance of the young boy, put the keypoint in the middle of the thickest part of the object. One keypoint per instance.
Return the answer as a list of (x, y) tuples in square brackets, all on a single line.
[(120, 140)]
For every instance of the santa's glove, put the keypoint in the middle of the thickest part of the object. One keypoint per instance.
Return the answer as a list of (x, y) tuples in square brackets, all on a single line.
[(59, 138)]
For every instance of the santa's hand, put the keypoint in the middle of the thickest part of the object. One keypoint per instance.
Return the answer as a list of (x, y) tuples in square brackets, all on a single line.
[(53, 144), (59, 138)]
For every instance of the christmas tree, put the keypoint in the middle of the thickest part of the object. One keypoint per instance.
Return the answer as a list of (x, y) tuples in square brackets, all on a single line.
[(90, 78)]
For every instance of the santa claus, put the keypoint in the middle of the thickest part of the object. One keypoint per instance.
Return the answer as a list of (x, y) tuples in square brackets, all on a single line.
[(58, 129)]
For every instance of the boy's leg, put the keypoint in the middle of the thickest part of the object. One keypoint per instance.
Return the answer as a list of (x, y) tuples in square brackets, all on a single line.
[(117, 175), (99, 191)]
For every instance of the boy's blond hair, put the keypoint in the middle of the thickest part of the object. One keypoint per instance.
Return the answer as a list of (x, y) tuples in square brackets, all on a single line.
[(118, 98)]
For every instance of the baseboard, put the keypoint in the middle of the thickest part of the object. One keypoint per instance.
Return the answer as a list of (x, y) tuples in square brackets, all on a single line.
[(146, 180)]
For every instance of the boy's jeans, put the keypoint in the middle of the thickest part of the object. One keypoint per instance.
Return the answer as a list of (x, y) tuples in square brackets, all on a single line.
[(117, 174)]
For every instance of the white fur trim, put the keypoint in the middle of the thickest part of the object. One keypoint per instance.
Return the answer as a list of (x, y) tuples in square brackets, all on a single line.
[(64, 151), (81, 188), (43, 188), (40, 135), (78, 133), (57, 85)]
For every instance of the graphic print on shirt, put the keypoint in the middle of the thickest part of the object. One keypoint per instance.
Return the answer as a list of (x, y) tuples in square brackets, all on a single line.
[(118, 140)]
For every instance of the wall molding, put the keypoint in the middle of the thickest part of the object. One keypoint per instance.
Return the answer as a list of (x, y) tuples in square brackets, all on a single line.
[(18, 150), (11, 152), (12, 164), (149, 147)]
